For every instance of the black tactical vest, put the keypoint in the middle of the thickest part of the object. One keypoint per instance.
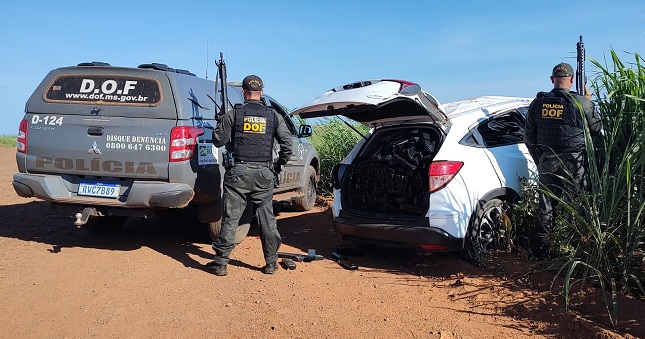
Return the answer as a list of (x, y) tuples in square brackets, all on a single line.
[(253, 133), (559, 122)]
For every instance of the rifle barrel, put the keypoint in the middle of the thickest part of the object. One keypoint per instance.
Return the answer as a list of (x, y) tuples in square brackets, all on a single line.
[(580, 69), (222, 75)]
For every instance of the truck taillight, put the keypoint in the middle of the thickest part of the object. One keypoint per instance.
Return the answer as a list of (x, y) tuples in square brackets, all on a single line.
[(441, 172), (182, 142), (21, 144)]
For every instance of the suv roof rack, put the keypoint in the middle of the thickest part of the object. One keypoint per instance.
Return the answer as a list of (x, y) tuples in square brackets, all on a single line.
[(183, 71), (94, 63)]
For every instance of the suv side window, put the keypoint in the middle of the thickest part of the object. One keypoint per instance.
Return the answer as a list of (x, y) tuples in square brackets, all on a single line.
[(505, 129)]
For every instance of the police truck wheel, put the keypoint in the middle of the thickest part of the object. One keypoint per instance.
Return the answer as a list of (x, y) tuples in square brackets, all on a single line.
[(242, 230), (213, 229), (307, 202)]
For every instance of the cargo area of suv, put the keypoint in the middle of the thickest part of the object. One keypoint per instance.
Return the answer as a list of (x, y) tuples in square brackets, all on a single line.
[(390, 174)]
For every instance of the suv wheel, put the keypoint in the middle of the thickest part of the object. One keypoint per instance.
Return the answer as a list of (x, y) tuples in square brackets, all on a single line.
[(307, 201), (489, 230)]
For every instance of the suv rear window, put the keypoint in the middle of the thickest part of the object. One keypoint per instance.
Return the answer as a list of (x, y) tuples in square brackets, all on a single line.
[(107, 90)]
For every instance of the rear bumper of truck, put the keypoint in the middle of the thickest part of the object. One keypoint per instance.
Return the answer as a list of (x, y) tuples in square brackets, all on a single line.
[(138, 194)]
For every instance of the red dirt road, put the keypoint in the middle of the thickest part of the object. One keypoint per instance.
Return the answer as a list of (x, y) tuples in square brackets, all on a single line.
[(149, 281)]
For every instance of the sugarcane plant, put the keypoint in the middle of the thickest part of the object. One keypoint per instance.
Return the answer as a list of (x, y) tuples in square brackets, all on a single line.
[(334, 139)]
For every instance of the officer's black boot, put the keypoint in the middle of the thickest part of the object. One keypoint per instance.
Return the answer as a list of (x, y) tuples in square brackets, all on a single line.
[(219, 270), (270, 268)]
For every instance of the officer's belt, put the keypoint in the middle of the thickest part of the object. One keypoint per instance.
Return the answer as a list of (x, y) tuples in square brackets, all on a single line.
[(260, 163)]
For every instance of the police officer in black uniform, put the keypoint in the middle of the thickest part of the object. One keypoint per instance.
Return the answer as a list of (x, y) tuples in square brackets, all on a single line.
[(554, 136), (249, 131)]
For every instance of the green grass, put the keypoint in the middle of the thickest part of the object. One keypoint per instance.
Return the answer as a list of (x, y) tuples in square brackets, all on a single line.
[(7, 141)]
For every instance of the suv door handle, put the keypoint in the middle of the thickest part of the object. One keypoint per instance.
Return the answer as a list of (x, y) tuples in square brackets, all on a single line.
[(95, 130)]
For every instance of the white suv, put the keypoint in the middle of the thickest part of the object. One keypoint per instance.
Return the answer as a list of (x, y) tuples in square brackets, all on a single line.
[(431, 176)]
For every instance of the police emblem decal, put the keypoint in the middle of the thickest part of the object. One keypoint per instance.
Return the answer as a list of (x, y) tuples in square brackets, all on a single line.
[(256, 125)]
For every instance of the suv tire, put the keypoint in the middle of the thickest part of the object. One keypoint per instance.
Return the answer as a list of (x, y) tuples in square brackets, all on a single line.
[(489, 229)]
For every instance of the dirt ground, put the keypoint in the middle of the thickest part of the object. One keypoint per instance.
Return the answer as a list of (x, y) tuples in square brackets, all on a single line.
[(149, 280)]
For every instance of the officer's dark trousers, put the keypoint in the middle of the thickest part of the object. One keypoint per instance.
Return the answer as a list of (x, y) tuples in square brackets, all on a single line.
[(551, 168), (255, 182)]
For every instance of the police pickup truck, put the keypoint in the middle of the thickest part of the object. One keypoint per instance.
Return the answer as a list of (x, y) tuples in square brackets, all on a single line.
[(103, 143)]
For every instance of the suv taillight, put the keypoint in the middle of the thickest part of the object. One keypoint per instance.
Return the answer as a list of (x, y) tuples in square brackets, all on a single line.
[(182, 142), (21, 143), (441, 172)]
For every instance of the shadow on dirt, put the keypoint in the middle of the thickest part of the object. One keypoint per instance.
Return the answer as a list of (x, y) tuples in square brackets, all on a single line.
[(183, 240), (177, 238), (315, 231), (494, 286)]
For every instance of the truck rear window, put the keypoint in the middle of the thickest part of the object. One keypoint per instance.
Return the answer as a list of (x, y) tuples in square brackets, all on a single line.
[(110, 90)]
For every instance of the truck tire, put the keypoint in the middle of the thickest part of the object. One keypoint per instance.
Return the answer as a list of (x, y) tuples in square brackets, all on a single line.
[(243, 228), (307, 202)]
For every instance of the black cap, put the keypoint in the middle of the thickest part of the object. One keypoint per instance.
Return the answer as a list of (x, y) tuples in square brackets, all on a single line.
[(252, 83), (562, 70)]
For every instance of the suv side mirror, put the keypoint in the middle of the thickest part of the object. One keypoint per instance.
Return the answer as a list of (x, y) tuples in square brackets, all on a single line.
[(305, 131)]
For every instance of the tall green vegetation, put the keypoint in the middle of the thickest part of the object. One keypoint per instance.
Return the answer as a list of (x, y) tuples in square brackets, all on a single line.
[(7, 141), (333, 139), (599, 231)]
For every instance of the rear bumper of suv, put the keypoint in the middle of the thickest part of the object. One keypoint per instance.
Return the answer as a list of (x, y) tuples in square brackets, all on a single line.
[(413, 233), (141, 194)]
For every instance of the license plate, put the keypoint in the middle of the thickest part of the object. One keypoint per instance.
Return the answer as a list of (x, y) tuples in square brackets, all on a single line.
[(99, 189)]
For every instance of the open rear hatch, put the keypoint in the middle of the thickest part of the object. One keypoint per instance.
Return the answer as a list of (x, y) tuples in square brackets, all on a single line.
[(377, 102)]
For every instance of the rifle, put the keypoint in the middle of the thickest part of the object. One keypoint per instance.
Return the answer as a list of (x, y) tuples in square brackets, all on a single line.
[(580, 69), (300, 257), (221, 70), (227, 157)]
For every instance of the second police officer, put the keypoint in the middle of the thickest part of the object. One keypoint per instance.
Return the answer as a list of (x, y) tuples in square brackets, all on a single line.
[(248, 130), (554, 136)]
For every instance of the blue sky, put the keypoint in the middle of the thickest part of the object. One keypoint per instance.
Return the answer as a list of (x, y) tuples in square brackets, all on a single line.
[(453, 49)]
